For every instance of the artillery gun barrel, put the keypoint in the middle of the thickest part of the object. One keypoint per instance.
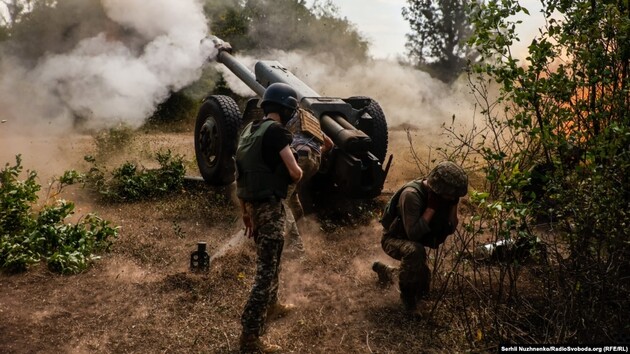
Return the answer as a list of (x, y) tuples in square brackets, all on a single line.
[(241, 71), (347, 138)]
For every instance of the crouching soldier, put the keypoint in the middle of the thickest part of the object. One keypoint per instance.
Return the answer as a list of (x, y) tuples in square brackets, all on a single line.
[(421, 214), (266, 166)]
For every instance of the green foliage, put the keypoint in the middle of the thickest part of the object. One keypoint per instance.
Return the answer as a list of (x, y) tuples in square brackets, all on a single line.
[(554, 148), (46, 26), (28, 237), (129, 182), (260, 25), (12, 11), (177, 108), (440, 30), (17, 197), (229, 22), (568, 108)]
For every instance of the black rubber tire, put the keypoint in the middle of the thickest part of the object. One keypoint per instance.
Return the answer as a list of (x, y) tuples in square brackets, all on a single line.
[(216, 138), (380, 135)]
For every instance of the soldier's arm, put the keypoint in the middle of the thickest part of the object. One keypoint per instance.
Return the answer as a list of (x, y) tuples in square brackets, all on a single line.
[(452, 217), (289, 161), (412, 208)]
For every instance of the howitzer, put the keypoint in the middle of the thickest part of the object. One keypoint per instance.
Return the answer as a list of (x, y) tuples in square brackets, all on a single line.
[(356, 125)]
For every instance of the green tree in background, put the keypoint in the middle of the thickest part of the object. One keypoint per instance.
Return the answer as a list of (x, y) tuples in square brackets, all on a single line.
[(262, 25), (437, 43), (10, 13), (12, 10), (47, 26)]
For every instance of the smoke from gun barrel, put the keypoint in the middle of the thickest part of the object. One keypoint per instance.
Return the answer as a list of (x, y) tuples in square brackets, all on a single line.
[(241, 71)]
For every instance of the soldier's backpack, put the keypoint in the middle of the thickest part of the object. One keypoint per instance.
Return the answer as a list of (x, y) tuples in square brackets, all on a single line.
[(390, 212)]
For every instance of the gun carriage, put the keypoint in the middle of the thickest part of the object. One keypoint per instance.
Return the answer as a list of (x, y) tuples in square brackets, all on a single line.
[(356, 125)]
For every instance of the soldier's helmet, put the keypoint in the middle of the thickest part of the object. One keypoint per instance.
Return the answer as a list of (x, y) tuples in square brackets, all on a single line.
[(448, 179), (282, 94)]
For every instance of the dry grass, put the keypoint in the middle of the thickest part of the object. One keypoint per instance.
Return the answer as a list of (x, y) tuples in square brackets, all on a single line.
[(142, 297)]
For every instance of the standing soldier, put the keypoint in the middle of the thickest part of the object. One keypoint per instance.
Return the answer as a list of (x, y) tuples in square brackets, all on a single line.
[(266, 166), (420, 214)]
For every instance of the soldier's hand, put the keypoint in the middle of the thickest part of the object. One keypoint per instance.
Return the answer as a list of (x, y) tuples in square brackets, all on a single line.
[(433, 201)]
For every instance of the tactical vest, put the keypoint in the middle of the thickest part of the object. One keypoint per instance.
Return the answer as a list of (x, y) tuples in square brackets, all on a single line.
[(391, 212), (255, 180)]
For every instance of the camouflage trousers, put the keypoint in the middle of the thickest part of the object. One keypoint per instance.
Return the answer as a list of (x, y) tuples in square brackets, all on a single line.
[(309, 163), (268, 220), (414, 274)]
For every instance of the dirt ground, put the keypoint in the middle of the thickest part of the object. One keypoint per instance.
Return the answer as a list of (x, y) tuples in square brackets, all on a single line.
[(142, 297)]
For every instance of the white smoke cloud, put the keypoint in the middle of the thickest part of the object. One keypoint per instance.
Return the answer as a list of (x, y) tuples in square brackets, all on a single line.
[(104, 78)]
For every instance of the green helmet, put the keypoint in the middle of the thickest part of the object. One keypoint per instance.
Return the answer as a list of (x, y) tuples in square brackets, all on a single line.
[(448, 179)]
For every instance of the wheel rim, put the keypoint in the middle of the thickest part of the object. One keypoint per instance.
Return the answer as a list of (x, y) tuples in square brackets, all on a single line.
[(209, 144)]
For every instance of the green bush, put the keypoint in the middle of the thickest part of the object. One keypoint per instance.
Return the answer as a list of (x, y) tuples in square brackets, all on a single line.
[(129, 182), (177, 108), (28, 237), (553, 146)]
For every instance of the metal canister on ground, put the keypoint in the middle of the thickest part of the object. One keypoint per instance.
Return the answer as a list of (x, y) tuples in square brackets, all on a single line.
[(200, 259)]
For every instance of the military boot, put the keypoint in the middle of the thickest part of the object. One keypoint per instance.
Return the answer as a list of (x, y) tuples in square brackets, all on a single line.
[(251, 343), (408, 296), (424, 285), (385, 273), (278, 310)]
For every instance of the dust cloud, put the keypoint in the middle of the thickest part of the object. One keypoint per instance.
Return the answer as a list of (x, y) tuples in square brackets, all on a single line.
[(235, 242)]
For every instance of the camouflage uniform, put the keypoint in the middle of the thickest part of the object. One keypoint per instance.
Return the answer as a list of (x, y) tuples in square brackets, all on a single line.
[(309, 162), (408, 235), (263, 175), (414, 274), (268, 219), (308, 150)]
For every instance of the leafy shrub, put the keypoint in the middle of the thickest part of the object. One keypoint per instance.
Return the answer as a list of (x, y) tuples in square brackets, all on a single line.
[(178, 107), (553, 143), (129, 182), (28, 237)]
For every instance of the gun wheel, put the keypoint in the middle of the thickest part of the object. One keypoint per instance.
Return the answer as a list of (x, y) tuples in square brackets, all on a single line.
[(216, 130), (379, 134)]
